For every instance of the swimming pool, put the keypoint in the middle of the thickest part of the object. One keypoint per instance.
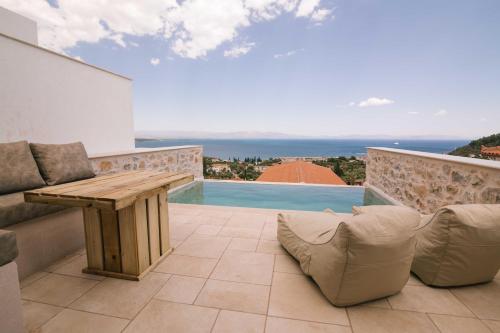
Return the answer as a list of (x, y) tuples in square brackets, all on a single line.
[(290, 197)]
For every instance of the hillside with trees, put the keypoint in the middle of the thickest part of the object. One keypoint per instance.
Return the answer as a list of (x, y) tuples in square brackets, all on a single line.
[(350, 169), (473, 149)]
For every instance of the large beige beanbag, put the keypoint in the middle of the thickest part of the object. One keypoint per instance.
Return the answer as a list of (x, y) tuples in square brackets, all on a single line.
[(353, 259), (459, 245)]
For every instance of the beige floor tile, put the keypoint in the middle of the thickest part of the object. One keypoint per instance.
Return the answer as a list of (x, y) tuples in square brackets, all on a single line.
[(74, 268), (207, 229), (454, 324), (482, 299), (57, 289), (121, 298), (181, 289), (280, 325), (243, 244), (175, 242), (37, 314), (427, 299), (297, 297), (84, 322), (382, 303), (414, 281), (494, 325), (63, 261), (213, 218), (234, 296), (270, 246), (184, 210), (32, 278), (179, 219), (366, 319), (287, 264), (269, 232), (243, 220), (203, 247), (186, 265), (232, 321), (240, 232), (161, 317), (182, 231), (242, 266)]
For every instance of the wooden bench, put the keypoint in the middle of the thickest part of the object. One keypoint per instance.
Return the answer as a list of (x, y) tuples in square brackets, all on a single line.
[(125, 218)]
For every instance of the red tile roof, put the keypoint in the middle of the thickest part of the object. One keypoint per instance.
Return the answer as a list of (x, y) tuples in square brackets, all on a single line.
[(300, 172), (492, 151)]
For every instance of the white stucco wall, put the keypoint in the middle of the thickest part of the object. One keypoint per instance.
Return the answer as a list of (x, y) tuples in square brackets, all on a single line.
[(17, 26), (49, 98)]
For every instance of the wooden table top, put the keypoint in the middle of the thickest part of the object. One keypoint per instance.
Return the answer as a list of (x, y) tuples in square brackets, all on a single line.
[(113, 191)]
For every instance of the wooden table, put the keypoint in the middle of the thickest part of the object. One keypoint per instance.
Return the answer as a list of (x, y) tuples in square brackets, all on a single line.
[(125, 218)]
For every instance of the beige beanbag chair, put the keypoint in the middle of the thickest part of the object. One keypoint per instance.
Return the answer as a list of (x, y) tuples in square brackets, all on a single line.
[(353, 259), (459, 245)]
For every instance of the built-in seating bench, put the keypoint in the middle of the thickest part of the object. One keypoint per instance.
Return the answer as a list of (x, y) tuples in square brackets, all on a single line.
[(8, 247), (13, 209), (45, 233), (10, 301)]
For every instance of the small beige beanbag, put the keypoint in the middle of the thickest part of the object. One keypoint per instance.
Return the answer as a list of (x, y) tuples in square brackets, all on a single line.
[(352, 259), (459, 245)]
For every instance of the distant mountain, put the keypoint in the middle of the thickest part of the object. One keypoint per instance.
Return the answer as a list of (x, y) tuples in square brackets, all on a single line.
[(213, 135), (276, 135), (473, 149)]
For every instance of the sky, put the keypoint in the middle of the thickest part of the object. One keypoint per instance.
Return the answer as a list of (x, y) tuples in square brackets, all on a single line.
[(304, 67)]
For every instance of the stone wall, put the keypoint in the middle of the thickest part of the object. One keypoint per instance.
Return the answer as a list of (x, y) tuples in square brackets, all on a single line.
[(171, 159), (428, 181)]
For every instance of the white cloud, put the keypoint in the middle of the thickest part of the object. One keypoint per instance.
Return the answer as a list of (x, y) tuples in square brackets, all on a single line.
[(482, 119), (413, 112), (118, 39), (312, 10), (441, 113), (375, 101), (287, 54), (321, 14), (306, 7), (352, 104), (239, 50), (155, 61), (192, 27)]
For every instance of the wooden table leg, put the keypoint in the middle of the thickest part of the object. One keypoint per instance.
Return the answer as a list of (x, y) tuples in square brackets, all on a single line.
[(93, 238), (130, 242)]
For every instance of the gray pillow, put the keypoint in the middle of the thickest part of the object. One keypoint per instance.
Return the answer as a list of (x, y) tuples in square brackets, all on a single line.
[(62, 163), (18, 170)]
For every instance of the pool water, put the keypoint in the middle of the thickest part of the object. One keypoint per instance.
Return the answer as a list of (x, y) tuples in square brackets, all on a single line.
[(290, 197)]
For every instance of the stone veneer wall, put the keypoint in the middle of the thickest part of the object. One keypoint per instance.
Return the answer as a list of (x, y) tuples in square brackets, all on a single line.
[(429, 181), (171, 159)]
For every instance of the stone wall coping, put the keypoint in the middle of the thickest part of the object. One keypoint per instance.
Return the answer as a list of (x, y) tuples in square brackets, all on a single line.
[(136, 151), (442, 157)]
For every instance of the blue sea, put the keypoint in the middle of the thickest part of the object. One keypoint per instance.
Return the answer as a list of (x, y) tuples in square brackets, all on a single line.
[(266, 148)]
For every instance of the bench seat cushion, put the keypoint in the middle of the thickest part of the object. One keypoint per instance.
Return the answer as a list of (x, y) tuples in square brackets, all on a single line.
[(14, 210), (62, 163), (8, 247), (19, 170), (353, 259)]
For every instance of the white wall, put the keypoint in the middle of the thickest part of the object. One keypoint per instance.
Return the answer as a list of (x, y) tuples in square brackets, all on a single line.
[(49, 98), (17, 26)]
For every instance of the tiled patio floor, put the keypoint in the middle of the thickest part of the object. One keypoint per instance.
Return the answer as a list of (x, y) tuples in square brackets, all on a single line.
[(228, 273)]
